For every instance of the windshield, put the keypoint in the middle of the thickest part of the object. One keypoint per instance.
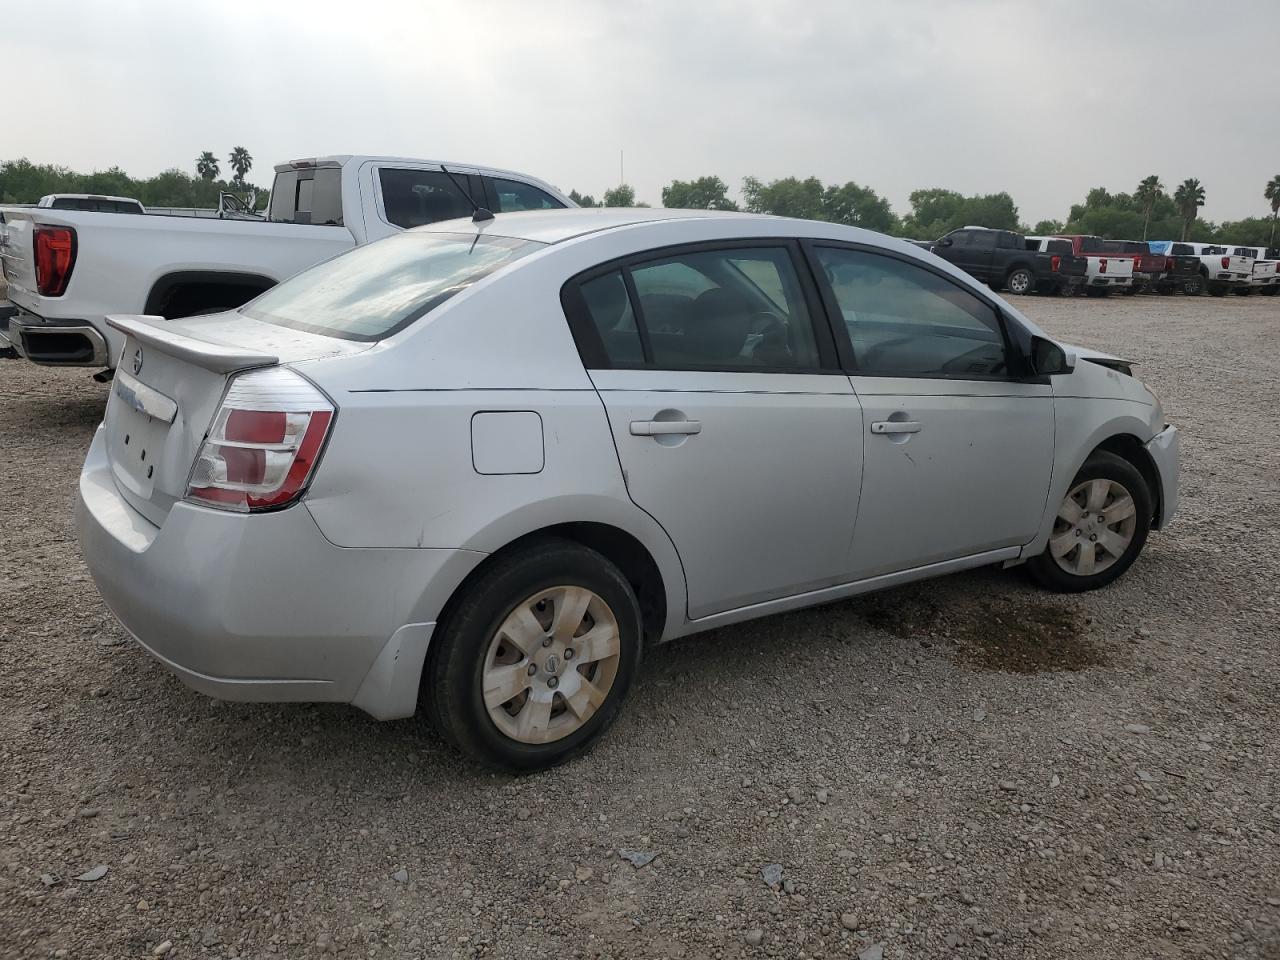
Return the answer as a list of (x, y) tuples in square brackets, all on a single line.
[(371, 292)]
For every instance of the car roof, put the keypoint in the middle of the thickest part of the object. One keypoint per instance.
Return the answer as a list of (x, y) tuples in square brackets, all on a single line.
[(554, 226)]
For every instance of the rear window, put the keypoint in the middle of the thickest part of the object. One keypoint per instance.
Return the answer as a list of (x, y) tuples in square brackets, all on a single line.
[(375, 290), (1183, 250), (1092, 245), (309, 195), (1060, 247)]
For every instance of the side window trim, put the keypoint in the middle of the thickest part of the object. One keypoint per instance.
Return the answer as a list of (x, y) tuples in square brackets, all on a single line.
[(591, 347), (1015, 371)]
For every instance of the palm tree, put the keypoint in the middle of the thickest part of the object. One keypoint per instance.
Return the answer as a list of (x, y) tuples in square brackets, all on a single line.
[(1149, 191), (207, 166), (1273, 194), (1190, 198), (240, 162)]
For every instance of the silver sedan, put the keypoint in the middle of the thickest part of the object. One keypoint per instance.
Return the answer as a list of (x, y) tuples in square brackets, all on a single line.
[(481, 466)]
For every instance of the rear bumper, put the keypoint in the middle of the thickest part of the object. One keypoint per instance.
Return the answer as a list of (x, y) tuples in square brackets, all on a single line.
[(1163, 448), (58, 343), (1271, 281), (1110, 281), (263, 607)]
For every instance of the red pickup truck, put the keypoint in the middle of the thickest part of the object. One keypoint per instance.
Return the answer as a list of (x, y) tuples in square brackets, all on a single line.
[(1147, 266)]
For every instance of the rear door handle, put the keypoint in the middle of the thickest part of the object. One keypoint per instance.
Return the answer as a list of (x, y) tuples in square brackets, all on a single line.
[(896, 426), (658, 428)]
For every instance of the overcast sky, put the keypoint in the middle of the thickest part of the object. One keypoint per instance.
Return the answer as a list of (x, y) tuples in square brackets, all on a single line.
[(1044, 100)]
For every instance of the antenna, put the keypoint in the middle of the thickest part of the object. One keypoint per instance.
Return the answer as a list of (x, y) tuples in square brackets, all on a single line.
[(479, 214)]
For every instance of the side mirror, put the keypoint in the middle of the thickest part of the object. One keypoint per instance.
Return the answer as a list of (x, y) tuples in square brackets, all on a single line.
[(944, 242), (1048, 359)]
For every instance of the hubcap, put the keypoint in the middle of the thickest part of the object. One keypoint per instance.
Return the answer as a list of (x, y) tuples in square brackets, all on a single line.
[(1095, 526), (1019, 282), (551, 664)]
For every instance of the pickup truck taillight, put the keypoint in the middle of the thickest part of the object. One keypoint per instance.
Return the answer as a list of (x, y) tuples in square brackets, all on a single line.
[(55, 256), (1102, 265), (1226, 263), (264, 443), (1055, 262)]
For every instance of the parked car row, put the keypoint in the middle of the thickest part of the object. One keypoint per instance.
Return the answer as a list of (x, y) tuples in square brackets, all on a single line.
[(1068, 265)]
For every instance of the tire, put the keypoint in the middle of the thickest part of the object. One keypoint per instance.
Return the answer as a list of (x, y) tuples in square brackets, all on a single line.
[(1019, 281), (476, 645), (1166, 290), (1217, 289), (1242, 291), (1097, 292), (1194, 288), (1132, 290), (1110, 479), (1270, 291)]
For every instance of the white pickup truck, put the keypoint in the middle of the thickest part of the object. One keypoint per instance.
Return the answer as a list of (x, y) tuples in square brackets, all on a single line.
[(1220, 271), (1266, 269), (67, 269)]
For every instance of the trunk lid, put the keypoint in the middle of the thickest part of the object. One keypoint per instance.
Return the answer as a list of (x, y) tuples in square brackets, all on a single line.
[(169, 384), (1264, 269)]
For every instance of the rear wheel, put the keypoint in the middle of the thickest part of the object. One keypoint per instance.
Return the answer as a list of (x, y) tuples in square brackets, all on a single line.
[(1100, 529), (1270, 291), (536, 657), (1193, 287), (1097, 291), (1166, 290), (1019, 281)]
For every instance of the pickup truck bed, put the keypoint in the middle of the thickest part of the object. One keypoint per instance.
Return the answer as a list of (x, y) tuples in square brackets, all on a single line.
[(68, 269)]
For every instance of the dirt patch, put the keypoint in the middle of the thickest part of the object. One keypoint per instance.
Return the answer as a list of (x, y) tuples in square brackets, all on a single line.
[(1029, 638)]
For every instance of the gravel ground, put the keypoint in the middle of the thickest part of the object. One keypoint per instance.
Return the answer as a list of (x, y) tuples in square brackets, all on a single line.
[(968, 767)]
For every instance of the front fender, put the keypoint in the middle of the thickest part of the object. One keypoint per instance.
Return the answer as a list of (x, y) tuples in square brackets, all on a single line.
[(1079, 430)]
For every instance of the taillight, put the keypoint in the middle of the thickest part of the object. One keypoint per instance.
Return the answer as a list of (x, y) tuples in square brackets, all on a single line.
[(1102, 268), (55, 256), (1226, 263), (1054, 263), (263, 445)]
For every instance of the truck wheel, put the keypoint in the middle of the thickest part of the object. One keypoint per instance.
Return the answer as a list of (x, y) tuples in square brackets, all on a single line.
[(1097, 291), (1217, 289), (1131, 290), (1165, 290), (1193, 288), (1019, 281), (1242, 291), (1270, 291)]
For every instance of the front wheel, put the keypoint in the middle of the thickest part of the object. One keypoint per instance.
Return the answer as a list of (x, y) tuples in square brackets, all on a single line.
[(1100, 529), (1019, 281), (535, 658)]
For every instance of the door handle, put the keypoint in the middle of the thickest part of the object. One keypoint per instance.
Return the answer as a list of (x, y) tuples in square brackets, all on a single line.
[(660, 428), (896, 426)]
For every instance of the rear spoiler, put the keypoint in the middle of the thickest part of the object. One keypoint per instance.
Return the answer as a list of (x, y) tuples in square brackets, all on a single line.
[(158, 333)]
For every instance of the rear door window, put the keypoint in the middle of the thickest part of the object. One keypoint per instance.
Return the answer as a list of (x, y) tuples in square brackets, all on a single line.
[(411, 198)]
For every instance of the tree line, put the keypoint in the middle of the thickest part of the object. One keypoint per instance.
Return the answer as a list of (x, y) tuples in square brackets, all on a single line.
[(22, 181), (1151, 211)]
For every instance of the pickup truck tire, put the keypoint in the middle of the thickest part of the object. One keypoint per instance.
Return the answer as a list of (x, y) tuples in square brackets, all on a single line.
[(1193, 288), (1242, 291), (1270, 291), (1019, 281), (1097, 291)]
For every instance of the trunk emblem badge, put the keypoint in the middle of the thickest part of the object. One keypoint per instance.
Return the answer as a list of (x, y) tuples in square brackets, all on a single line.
[(137, 361)]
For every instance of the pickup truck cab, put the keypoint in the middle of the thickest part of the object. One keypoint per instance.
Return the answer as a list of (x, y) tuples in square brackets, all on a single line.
[(1266, 270), (999, 258), (67, 269), (1104, 271)]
